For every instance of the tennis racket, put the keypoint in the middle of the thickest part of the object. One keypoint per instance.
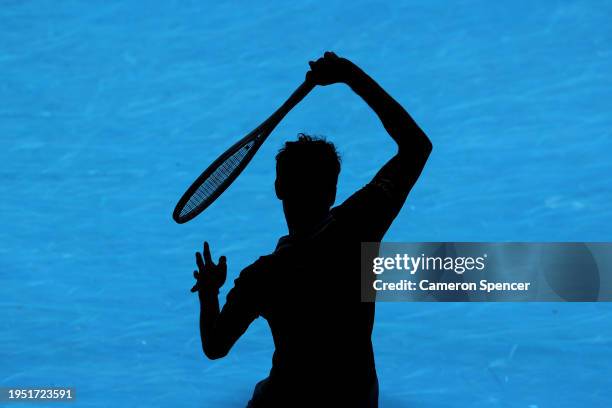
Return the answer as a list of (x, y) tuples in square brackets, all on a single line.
[(224, 170)]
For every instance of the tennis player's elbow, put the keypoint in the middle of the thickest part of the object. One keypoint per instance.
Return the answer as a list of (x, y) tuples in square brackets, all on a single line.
[(415, 145), (424, 145), (214, 350), (428, 146), (215, 355)]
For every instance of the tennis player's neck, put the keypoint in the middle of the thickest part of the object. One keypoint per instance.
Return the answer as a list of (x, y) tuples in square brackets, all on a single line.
[(305, 223)]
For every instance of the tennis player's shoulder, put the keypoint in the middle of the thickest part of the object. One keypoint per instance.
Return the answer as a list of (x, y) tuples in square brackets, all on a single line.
[(257, 276), (262, 266)]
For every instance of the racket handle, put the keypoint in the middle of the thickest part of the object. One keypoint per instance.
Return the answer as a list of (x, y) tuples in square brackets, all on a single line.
[(295, 98)]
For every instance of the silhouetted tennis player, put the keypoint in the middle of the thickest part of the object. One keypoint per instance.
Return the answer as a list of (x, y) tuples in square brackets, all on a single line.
[(308, 289)]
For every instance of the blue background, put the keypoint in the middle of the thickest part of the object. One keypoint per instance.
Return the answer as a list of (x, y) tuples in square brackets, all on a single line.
[(110, 110)]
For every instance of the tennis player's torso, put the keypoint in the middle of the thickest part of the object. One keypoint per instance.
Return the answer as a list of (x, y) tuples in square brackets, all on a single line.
[(321, 329)]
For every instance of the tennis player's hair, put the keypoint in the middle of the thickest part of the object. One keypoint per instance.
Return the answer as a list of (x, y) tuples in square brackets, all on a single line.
[(309, 160)]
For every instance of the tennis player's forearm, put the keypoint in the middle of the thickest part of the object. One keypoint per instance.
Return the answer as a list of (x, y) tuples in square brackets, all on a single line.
[(398, 123), (209, 314)]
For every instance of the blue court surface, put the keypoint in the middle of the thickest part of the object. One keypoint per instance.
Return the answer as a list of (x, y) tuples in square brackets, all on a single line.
[(111, 109)]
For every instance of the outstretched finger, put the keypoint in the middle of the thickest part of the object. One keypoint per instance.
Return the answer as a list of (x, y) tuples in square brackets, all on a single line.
[(195, 288), (199, 261), (207, 257)]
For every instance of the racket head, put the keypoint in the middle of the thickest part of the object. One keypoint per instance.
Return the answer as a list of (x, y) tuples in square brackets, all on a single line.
[(219, 175), (223, 171)]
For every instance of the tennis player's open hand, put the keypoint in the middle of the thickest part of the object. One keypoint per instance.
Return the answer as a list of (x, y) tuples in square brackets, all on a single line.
[(330, 69), (210, 277)]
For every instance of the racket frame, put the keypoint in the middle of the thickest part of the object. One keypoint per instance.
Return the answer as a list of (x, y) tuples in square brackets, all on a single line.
[(261, 132)]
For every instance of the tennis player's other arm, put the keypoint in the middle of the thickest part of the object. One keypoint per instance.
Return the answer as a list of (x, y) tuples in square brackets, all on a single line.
[(219, 329)]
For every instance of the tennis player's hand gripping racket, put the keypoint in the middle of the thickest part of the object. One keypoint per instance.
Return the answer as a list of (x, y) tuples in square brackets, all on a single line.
[(224, 170)]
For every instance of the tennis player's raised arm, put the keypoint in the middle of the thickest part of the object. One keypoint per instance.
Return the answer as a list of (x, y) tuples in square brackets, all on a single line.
[(414, 146), (379, 202)]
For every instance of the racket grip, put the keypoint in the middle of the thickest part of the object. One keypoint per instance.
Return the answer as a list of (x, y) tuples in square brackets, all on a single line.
[(295, 98), (301, 92)]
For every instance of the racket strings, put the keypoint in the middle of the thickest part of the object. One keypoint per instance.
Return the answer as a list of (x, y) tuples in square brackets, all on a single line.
[(216, 179)]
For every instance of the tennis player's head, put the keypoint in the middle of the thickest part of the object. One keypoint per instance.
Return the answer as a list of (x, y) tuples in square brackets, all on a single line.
[(307, 173)]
